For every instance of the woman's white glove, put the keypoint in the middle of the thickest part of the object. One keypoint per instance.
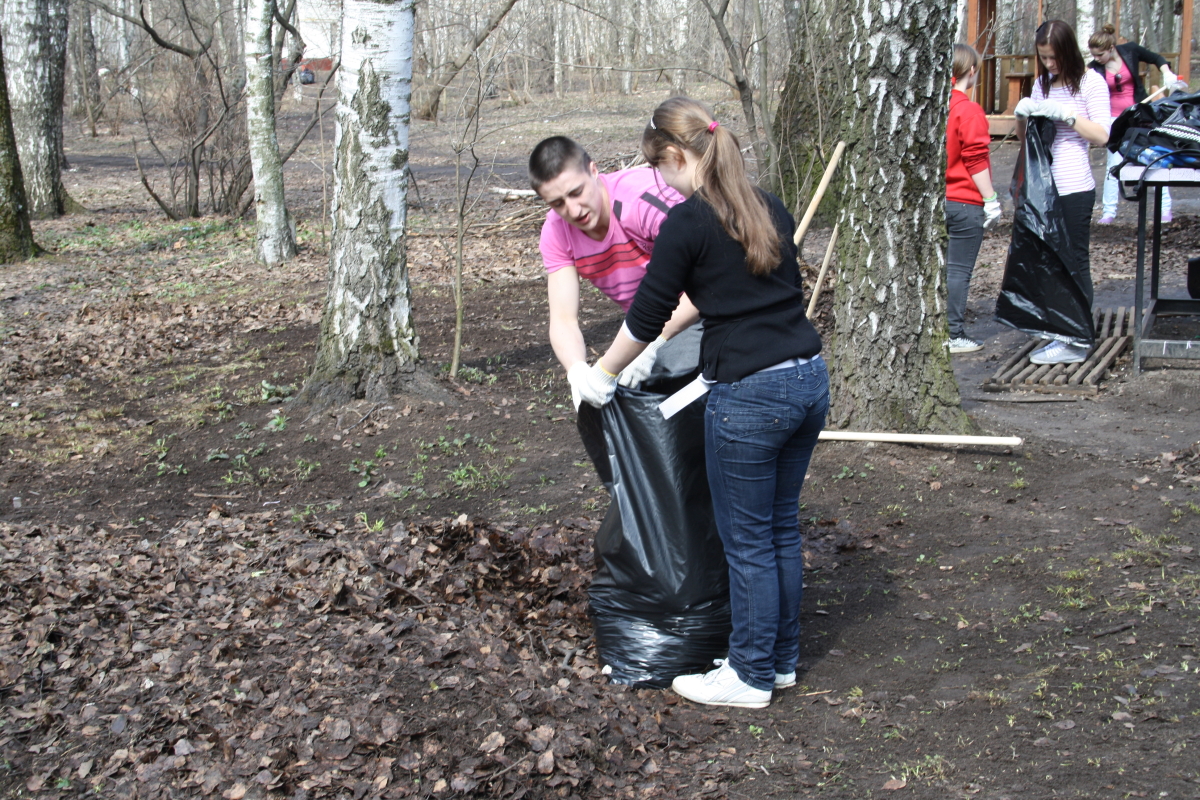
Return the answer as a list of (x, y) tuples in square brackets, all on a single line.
[(641, 366), (1052, 109), (592, 384), (1172, 81), (991, 211), (1025, 108)]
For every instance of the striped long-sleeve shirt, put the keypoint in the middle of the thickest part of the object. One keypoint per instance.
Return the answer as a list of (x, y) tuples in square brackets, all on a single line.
[(1071, 169)]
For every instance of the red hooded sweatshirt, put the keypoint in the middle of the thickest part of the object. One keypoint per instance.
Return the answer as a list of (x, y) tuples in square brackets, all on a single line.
[(967, 153)]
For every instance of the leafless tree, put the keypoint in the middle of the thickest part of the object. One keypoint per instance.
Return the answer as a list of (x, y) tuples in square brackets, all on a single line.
[(16, 236), (35, 44)]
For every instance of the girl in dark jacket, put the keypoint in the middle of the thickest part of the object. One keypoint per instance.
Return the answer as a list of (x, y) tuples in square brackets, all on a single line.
[(1118, 64)]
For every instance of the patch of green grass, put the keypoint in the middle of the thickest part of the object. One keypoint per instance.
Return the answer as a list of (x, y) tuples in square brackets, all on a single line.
[(305, 469)]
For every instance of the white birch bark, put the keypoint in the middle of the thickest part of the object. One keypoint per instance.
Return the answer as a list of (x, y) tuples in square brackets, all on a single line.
[(890, 369), (368, 346), (276, 241), (35, 52)]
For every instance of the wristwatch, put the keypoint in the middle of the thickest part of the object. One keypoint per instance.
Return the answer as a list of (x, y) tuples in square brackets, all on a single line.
[(1070, 121)]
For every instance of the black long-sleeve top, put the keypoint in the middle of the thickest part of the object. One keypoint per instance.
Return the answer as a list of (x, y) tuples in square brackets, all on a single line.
[(750, 321), (1131, 53)]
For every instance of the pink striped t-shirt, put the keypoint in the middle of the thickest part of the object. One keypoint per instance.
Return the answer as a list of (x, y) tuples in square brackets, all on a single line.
[(1071, 169), (638, 199)]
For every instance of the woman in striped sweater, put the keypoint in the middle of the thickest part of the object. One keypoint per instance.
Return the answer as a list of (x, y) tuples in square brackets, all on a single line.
[(1076, 98)]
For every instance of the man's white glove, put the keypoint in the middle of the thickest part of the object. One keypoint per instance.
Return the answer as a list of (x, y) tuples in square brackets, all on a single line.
[(592, 384), (1025, 108), (1052, 109), (641, 366), (991, 211)]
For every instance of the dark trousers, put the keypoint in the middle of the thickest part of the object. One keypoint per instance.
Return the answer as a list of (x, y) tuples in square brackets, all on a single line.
[(1077, 216), (964, 224)]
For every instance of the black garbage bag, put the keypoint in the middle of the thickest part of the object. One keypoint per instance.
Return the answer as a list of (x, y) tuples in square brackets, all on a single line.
[(660, 595), (1044, 290)]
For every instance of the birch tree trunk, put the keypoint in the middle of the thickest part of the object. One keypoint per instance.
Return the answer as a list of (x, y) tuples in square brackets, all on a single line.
[(35, 43), (367, 345), (890, 368), (16, 236), (276, 240)]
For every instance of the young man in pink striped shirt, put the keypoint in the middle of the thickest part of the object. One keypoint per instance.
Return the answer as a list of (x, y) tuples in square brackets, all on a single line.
[(600, 227)]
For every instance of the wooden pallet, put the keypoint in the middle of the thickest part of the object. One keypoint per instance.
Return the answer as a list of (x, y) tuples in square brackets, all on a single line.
[(1115, 329)]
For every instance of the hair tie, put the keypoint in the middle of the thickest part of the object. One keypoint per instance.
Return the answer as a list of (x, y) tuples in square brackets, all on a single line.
[(653, 127), (712, 126)]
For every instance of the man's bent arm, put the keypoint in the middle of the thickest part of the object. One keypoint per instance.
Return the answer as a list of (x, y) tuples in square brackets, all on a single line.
[(566, 338)]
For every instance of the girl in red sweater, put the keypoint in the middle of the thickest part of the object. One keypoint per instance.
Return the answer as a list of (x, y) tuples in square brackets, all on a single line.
[(971, 202)]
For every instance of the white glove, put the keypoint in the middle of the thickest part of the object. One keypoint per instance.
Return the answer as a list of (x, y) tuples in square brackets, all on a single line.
[(592, 384), (641, 366), (1168, 76), (991, 211), (1052, 109), (1025, 108)]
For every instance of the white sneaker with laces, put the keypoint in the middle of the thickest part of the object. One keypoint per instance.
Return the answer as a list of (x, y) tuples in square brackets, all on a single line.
[(720, 687), (785, 680), (1058, 353), (963, 344)]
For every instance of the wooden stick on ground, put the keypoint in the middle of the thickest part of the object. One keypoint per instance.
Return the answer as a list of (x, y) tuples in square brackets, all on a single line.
[(821, 187), (816, 292), (919, 438)]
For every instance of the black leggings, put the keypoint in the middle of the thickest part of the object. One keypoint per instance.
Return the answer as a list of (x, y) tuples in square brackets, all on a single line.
[(1077, 216)]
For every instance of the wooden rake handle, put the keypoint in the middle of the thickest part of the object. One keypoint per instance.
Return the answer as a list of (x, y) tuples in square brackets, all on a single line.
[(821, 187)]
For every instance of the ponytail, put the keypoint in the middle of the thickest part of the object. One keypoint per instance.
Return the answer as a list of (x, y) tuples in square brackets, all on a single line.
[(686, 124)]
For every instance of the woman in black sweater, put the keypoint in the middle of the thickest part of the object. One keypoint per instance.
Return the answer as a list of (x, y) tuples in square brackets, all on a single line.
[(729, 247)]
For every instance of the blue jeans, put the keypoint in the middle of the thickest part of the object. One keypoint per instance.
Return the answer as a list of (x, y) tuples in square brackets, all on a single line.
[(759, 437)]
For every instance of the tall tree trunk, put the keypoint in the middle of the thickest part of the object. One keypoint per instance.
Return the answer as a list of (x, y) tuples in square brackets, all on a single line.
[(808, 122), (891, 369), (367, 345), (87, 81), (276, 242), (428, 107), (35, 43), (16, 236), (736, 54)]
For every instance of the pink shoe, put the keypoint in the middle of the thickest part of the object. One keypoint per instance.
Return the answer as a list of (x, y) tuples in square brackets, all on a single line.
[(1107, 220), (1167, 217)]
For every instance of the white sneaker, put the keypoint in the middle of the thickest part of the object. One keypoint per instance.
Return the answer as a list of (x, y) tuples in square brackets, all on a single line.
[(963, 344), (1058, 353), (720, 687), (785, 680)]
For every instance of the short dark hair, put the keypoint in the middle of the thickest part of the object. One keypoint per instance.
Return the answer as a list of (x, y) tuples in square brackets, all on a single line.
[(554, 156)]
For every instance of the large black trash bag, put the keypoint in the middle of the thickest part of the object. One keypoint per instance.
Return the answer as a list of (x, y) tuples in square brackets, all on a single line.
[(660, 595), (1044, 289)]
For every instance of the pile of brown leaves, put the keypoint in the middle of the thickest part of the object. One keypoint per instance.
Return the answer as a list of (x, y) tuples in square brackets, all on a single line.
[(247, 656), (116, 338)]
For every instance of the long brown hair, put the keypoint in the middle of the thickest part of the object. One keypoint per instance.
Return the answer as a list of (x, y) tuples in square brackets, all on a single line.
[(686, 124), (1061, 38)]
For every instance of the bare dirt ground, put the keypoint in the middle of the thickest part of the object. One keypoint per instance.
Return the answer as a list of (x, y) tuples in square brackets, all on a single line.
[(207, 591)]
